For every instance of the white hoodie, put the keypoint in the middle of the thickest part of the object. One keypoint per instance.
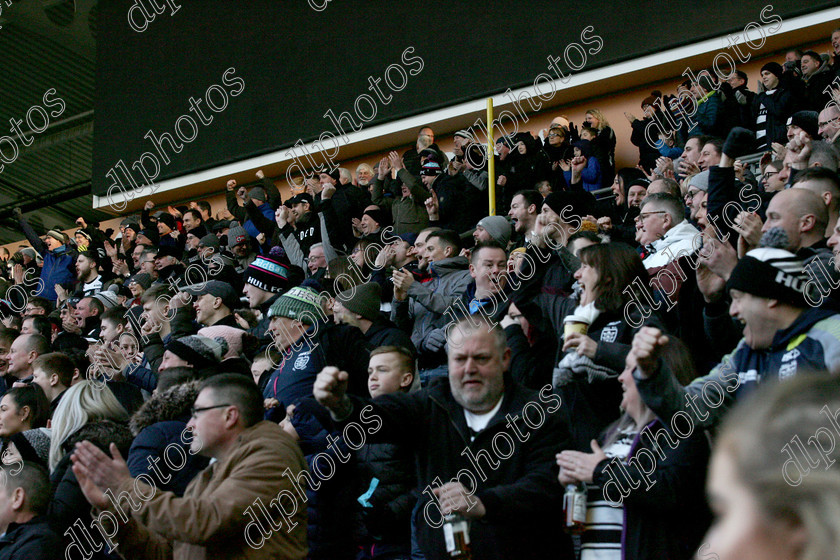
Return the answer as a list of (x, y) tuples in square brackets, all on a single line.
[(680, 238)]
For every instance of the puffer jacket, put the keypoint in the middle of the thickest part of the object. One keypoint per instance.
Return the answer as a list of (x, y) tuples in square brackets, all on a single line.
[(159, 423)]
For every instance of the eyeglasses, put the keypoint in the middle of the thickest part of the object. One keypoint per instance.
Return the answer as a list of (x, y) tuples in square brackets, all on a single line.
[(644, 215), (692, 193), (828, 122), (768, 174), (317, 259), (194, 411)]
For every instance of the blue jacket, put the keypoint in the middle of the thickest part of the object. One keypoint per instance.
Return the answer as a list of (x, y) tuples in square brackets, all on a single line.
[(590, 176), (708, 114), (59, 265), (810, 344)]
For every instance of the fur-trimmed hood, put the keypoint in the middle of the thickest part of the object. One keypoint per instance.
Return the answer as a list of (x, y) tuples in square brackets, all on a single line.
[(172, 404)]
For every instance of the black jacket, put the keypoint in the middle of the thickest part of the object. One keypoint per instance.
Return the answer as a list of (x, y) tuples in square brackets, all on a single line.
[(383, 332), (33, 540), (668, 518), (520, 492)]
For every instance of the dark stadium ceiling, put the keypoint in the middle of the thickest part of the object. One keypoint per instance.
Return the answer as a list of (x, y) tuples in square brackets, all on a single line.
[(47, 44)]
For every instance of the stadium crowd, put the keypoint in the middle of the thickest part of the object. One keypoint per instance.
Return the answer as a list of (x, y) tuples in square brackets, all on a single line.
[(353, 371)]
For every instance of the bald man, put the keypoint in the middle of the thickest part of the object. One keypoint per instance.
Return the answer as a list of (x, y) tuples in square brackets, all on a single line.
[(825, 184), (829, 125), (803, 216)]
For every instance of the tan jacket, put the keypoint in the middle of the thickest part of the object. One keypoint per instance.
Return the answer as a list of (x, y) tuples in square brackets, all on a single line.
[(210, 521)]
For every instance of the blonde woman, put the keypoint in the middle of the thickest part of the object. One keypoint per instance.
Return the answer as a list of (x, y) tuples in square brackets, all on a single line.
[(774, 479), (605, 142), (87, 411)]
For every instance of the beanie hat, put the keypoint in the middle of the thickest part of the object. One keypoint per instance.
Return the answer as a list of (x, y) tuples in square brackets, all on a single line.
[(507, 141), (706, 83), (236, 235), (108, 298), (362, 300), (773, 68), (29, 252), (200, 351), (33, 445), (585, 147), (298, 303), (168, 219), (807, 121), (700, 180), (55, 234), (498, 227), (220, 225), (83, 233), (142, 279), (410, 238), (771, 273), (563, 200), (257, 193), (210, 240), (335, 173), (464, 134), (268, 274), (198, 231), (150, 234), (431, 168), (380, 216), (231, 336), (169, 251)]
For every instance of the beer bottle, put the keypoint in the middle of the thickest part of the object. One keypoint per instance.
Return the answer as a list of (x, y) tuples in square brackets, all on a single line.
[(574, 508), (456, 532)]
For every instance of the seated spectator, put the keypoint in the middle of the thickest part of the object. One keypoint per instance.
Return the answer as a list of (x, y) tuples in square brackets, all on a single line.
[(493, 228), (665, 517), (768, 296), (158, 425), (23, 523), (516, 499), (359, 307), (214, 303), (86, 412), (53, 373), (21, 409), (195, 351), (251, 458)]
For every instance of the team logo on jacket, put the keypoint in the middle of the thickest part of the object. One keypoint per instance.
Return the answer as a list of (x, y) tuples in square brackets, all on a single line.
[(789, 363), (610, 332), (301, 361)]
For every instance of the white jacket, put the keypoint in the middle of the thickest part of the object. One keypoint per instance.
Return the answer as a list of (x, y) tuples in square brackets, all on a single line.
[(682, 238)]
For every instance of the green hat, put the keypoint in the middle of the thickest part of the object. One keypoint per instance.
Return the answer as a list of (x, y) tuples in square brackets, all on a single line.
[(298, 303)]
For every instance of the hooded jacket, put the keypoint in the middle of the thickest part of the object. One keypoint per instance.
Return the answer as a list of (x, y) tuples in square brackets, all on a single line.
[(159, 424), (810, 344), (220, 513), (59, 265), (425, 309)]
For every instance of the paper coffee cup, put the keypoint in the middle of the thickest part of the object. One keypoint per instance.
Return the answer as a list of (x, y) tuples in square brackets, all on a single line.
[(575, 324)]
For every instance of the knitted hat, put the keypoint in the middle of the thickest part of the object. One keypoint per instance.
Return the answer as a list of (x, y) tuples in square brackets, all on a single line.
[(257, 193), (210, 240), (807, 121), (700, 180), (564, 200), (200, 351), (33, 445), (773, 68), (585, 147), (168, 251), (231, 336), (380, 216), (298, 303), (362, 300), (108, 298), (198, 231), (29, 252), (431, 168), (215, 288), (236, 235), (498, 227), (83, 233), (464, 134), (55, 234), (410, 238), (771, 273), (268, 274), (168, 219), (507, 141), (142, 279)]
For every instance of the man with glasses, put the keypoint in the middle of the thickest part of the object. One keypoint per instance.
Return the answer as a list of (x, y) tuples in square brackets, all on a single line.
[(317, 261), (224, 508), (665, 231), (829, 125), (697, 187)]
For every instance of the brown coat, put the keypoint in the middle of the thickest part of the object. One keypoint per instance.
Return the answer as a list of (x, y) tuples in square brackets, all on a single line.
[(210, 520)]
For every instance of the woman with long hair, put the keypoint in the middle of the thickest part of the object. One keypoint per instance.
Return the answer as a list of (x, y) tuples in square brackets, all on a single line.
[(605, 140), (87, 411), (665, 514), (21, 409)]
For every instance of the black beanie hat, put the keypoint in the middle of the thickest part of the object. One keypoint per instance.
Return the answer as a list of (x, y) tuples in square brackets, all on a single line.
[(772, 273), (167, 219), (773, 68), (807, 121)]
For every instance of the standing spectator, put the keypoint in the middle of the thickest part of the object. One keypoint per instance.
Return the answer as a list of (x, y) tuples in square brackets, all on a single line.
[(359, 307), (771, 108), (409, 210), (606, 140), (58, 257)]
